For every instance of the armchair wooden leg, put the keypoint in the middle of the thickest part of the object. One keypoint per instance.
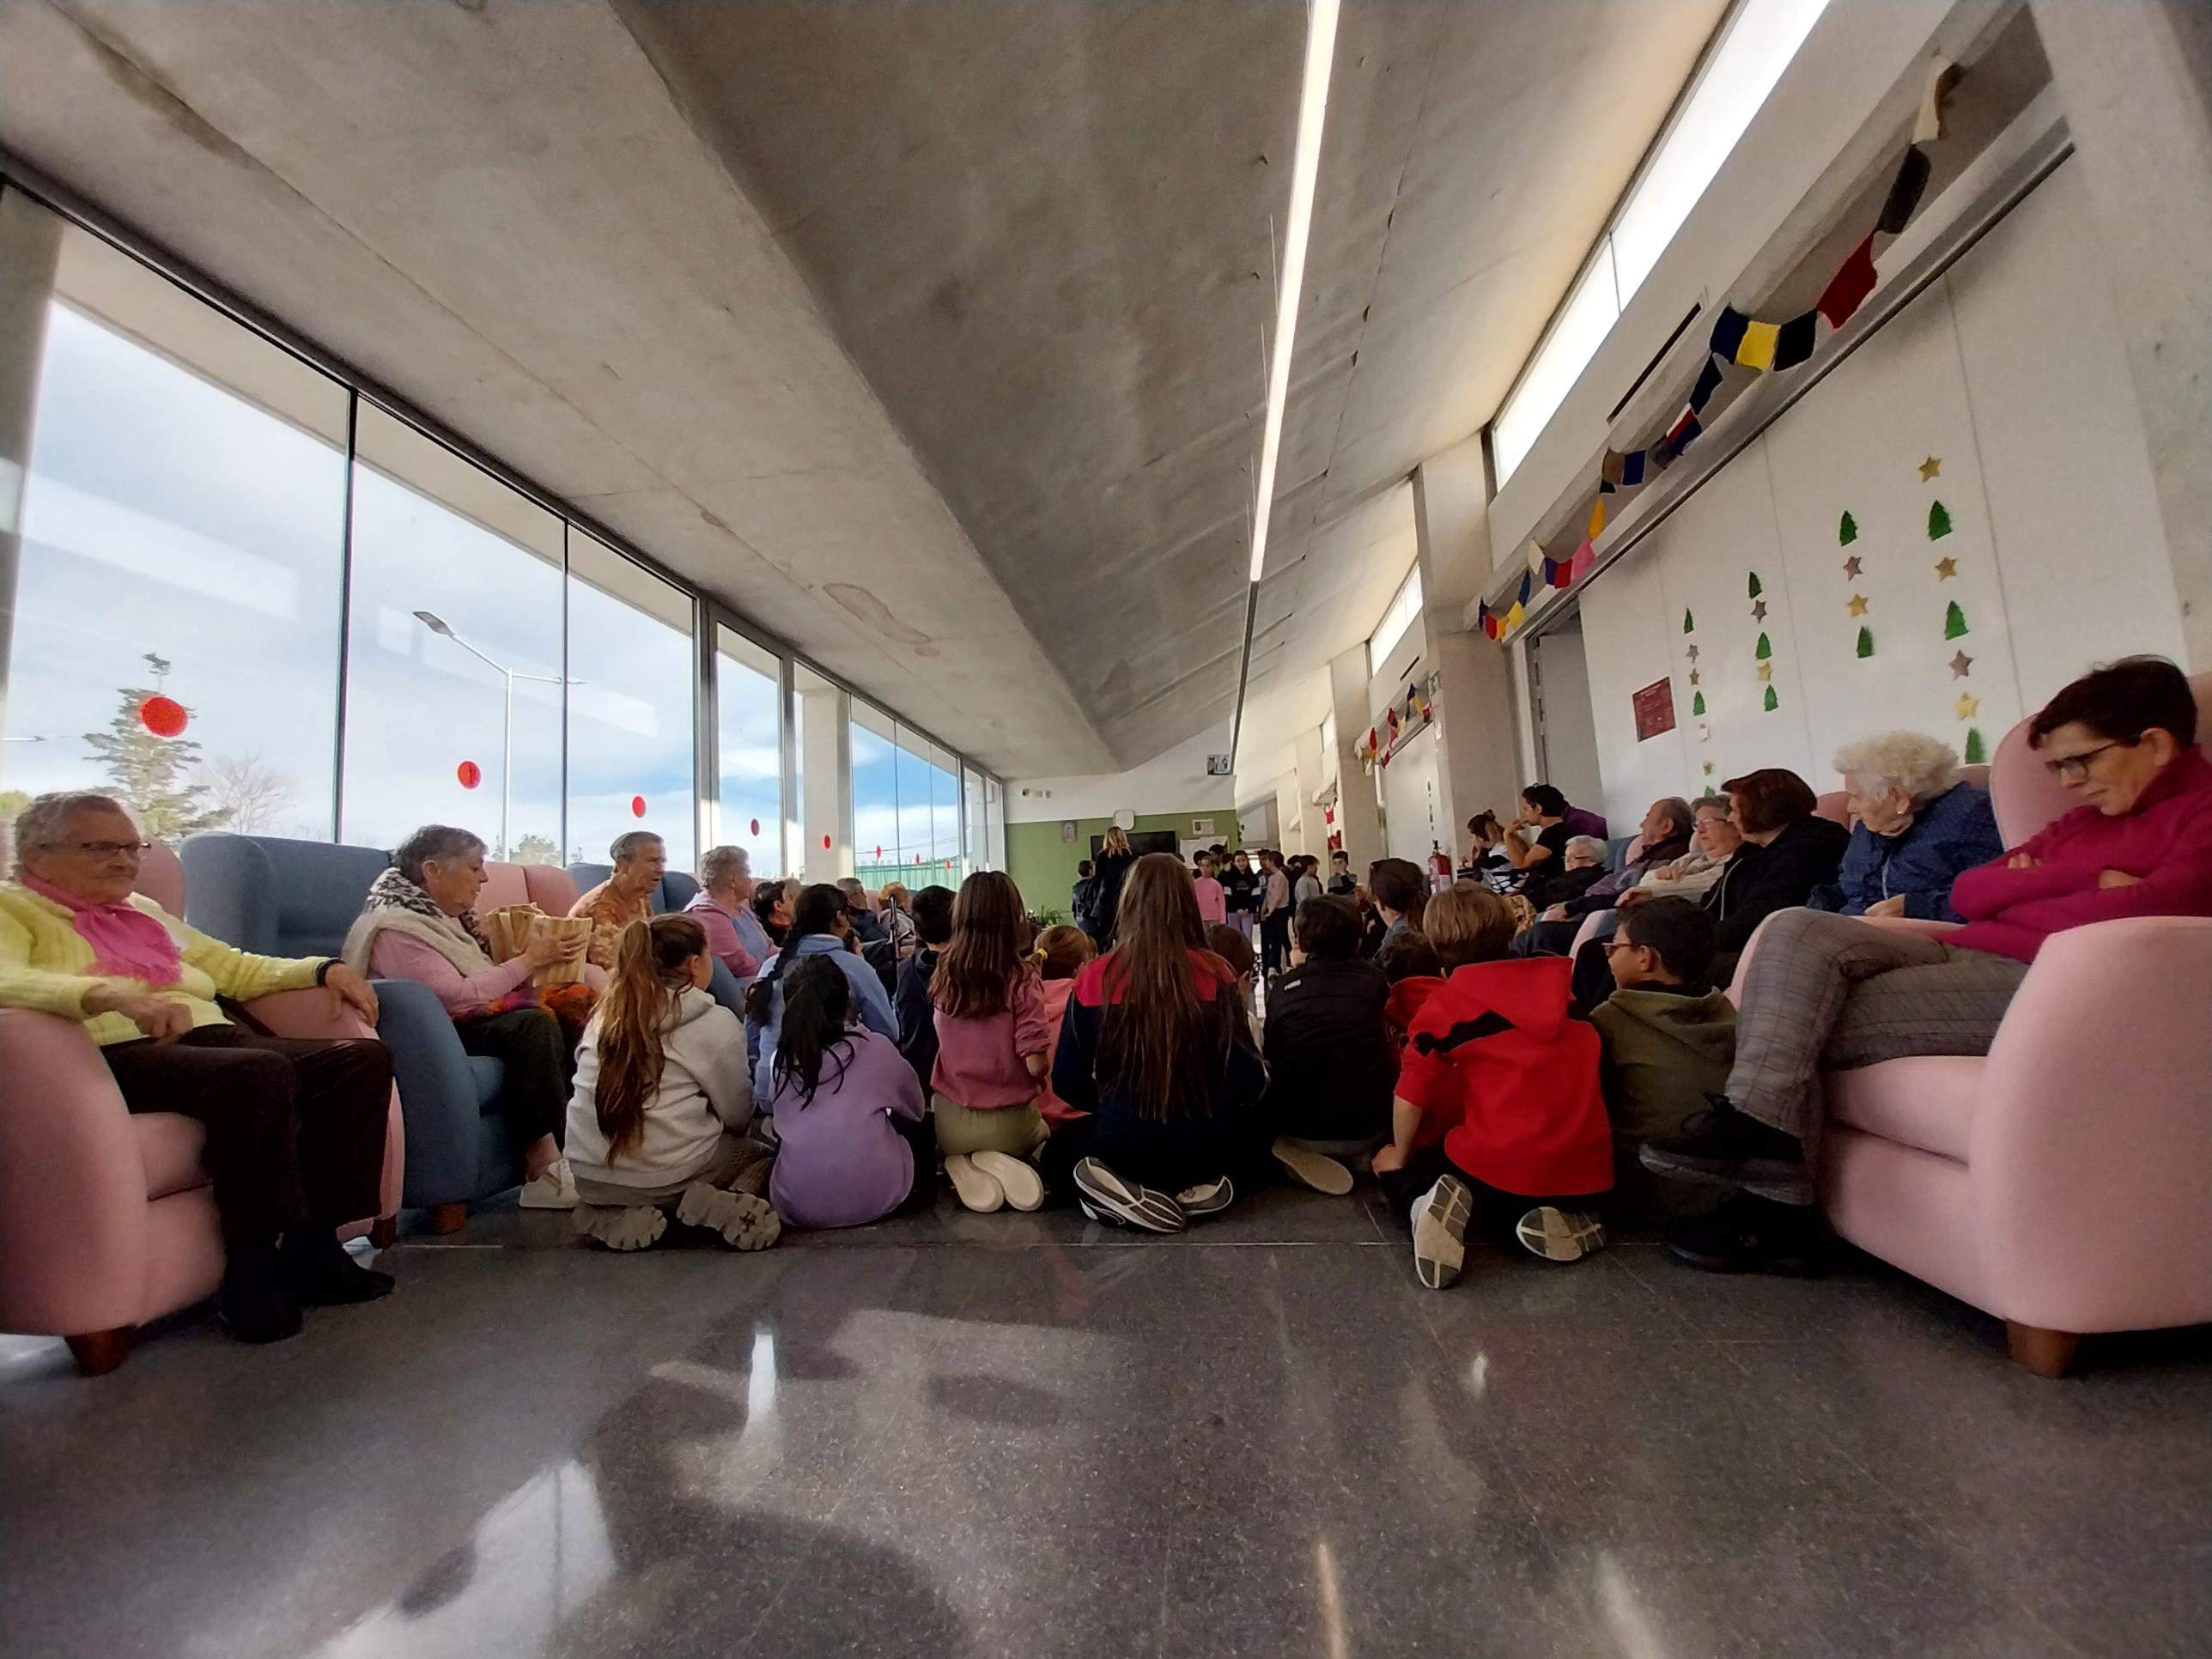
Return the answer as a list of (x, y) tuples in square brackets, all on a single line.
[(448, 1217), (383, 1231), (97, 1352), (2047, 1353)]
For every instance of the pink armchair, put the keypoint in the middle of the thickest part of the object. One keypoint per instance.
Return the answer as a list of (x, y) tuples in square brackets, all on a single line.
[(2060, 1183), (107, 1219)]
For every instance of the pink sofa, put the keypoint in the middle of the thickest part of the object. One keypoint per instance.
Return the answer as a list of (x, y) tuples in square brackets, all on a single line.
[(2064, 1182), (107, 1219)]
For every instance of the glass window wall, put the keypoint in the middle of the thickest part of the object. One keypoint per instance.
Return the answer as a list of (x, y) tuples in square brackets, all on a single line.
[(634, 682), (748, 810)]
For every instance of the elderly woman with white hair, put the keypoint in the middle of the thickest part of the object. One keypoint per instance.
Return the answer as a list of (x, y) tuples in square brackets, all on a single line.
[(1917, 826), (724, 907)]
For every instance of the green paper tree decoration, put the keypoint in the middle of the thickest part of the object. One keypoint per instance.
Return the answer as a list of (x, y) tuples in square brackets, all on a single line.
[(1866, 641), (1939, 521), (1847, 532), (1688, 622), (1955, 622), (1976, 753), (1766, 649), (1773, 703), (1754, 585), (1697, 704)]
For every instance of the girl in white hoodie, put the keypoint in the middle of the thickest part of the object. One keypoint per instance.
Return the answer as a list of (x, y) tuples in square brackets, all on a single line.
[(657, 1122)]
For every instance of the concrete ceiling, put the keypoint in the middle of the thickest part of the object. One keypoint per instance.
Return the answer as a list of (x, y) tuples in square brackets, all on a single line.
[(928, 333)]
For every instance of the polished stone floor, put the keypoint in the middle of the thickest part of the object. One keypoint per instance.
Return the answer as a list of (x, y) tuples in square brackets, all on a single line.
[(1023, 1435)]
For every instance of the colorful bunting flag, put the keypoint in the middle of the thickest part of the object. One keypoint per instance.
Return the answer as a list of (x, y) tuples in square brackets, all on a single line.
[(1793, 343), (1728, 332), (1596, 520), (1757, 350), (1905, 192), (1585, 558), (1515, 617), (1521, 599), (1848, 288)]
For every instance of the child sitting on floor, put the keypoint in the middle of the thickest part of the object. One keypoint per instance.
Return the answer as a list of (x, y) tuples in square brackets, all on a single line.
[(1494, 1056), (1233, 946), (917, 1020), (1669, 1041), (851, 1131), (993, 1049), (1062, 952), (658, 1117)]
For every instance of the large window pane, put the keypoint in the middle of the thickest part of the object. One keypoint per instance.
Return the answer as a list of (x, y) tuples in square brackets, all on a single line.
[(634, 685), (454, 657), (944, 815), (748, 749), (875, 767), (1583, 323), (819, 745), (974, 851), (995, 816), (913, 849), (183, 523)]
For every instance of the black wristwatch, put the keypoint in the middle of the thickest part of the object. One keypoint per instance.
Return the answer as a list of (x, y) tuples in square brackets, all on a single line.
[(323, 973)]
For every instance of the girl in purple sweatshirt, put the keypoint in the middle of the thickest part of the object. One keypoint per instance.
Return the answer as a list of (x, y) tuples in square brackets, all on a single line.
[(842, 1098), (993, 1043)]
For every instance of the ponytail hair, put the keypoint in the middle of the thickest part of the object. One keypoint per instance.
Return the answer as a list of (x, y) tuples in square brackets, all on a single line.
[(817, 1019), (814, 911), (651, 971)]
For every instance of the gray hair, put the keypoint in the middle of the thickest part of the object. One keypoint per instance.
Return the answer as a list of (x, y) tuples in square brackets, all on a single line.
[(441, 843), (1590, 846), (629, 844), (720, 864), (1923, 767), (1680, 815), (854, 887), (39, 822), (1720, 804)]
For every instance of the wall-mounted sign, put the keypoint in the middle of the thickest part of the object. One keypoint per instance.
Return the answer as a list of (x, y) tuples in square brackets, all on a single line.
[(1067, 828), (1201, 826), (1655, 709), (1217, 766)]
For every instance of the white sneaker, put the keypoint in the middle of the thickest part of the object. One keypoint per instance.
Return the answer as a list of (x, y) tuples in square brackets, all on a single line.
[(744, 1222), (1018, 1180), (1440, 1219), (635, 1227), (1315, 1170), (979, 1190), (1561, 1235), (554, 1190)]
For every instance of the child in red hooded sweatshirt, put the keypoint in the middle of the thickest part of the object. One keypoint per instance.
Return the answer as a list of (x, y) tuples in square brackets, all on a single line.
[(1494, 1058)]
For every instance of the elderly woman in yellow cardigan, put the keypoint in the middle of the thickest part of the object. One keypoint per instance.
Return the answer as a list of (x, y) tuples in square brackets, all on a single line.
[(294, 1127)]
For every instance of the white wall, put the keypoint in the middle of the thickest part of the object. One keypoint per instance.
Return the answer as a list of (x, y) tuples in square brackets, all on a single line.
[(1413, 801), (1175, 781), (1569, 727), (2009, 372)]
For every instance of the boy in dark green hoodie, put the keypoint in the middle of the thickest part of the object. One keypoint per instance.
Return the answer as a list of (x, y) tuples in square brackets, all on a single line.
[(1669, 1041)]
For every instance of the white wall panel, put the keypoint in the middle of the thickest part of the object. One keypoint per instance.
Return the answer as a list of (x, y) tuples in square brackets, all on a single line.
[(1626, 654)]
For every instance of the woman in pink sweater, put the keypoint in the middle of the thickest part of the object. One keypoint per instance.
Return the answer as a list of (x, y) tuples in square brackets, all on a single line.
[(1827, 992), (993, 1049)]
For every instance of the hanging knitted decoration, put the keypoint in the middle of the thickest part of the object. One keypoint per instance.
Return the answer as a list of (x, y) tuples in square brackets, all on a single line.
[(1939, 521), (1866, 642), (1955, 622), (1847, 532), (1773, 703)]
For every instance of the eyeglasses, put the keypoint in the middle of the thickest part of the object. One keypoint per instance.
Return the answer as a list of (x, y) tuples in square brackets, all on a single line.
[(100, 849), (2072, 768), (1612, 944)]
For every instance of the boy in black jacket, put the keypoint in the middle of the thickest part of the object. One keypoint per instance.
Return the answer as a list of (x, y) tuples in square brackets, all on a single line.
[(917, 1015)]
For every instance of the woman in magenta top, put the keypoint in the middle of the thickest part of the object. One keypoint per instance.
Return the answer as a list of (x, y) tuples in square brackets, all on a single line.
[(419, 922), (724, 907), (994, 1049), (1827, 992)]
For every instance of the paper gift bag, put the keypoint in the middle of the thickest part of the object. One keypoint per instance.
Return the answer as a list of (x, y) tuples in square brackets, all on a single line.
[(568, 973), (507, 929)]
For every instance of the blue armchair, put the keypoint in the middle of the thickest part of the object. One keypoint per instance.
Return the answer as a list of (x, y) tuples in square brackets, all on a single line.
[(298, 898)]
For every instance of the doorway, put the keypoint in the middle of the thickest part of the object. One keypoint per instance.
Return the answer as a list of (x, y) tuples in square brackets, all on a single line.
[(1566, 728)]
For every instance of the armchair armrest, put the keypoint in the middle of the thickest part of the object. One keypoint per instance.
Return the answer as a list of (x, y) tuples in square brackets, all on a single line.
[(2091, 1146), (318, 1014), (437, 1093), (72, 1184)]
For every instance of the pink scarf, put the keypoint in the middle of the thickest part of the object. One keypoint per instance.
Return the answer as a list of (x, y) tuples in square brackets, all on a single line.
[(126, 943)]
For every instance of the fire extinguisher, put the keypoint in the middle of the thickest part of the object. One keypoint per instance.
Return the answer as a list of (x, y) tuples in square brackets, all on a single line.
[(1440, 867)]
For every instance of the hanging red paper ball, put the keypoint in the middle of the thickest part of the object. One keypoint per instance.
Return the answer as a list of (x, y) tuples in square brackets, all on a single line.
[(163, 716), (756, 826), (469, 774), (879, 854), (825, 843), (637, 806), (917, 858)]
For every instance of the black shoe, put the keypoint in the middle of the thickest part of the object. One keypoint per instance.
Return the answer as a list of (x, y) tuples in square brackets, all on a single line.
[(1107, 1197), (319, 1272), (253, 1304), (1723, 1147), (1749, 1235)]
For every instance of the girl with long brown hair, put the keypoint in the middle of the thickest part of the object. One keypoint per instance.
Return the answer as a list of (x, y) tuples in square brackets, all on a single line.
[(993, 1049), (657, 1123), (1157, 1048)]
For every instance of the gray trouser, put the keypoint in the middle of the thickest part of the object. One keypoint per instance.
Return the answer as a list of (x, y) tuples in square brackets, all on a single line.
[(1827, 992)]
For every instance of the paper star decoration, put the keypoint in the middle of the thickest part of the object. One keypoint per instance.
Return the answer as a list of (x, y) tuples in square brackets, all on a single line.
[(1961, 666), (1709, 768), (1695, 680), (1946, 568), (1758, 611), (1856, 605), (1693, 654), (1968, 706), (1931, 469), (1852, 568), (1767, 671)]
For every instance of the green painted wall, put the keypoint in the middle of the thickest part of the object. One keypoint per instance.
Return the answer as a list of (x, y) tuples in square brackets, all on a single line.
[(1043, 865)]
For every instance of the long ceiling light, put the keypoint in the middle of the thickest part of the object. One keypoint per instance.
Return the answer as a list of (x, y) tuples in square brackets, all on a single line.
[(1305, 171)]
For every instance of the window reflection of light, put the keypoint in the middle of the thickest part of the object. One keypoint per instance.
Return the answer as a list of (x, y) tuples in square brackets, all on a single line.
[(760, 1379), (1336, 1641), (1478, 1374)]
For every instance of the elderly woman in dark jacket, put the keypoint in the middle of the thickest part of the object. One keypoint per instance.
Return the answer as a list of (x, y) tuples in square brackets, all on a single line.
[(1919, 826)]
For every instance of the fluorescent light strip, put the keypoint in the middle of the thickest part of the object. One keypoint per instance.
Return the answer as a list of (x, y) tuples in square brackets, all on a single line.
[(1305, 170)]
